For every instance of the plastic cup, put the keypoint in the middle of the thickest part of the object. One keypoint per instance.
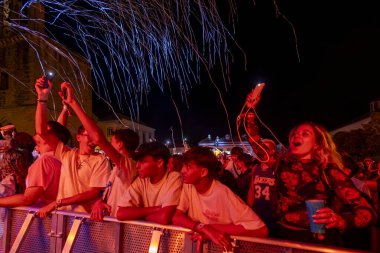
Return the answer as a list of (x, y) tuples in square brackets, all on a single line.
[(312, 205)]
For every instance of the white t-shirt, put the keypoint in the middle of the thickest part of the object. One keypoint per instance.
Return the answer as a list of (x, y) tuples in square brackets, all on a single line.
[(80, 173), (219, 205), (119, 182), (142, 193), (45, 172)]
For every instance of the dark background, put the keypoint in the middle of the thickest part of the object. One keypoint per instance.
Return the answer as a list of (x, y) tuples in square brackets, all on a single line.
[(332, 84)]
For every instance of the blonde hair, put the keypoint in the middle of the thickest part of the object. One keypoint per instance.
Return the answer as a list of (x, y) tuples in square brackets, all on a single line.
[(325, 151)]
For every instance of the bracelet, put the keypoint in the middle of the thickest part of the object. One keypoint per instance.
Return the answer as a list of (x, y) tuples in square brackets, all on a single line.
[(195, 225), (58, 203), (41, 101)]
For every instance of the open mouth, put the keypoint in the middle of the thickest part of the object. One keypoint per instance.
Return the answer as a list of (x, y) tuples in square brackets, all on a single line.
[(296, 144)]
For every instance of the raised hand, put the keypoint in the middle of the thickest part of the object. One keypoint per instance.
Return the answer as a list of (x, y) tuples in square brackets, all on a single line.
[(42, 90), (66, 93)]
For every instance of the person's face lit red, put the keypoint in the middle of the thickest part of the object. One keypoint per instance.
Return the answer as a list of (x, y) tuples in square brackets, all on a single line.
[(302, 142), (170, 165), (116, 143), (147, 166), (239, 164), (86, 144), (41, 145), (234, 157), (192, 173)]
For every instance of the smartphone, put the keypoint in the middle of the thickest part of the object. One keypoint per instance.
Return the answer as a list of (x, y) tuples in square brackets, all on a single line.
[(49, 76), (64, 93), (257, 90)]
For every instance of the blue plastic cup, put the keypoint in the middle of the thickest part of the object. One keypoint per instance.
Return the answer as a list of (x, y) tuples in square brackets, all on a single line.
[(312, 205)]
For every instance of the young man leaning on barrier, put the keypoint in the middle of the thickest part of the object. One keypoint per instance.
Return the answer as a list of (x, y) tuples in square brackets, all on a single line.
[(43, 175), (120, 150), (154, 195), (210, 208), (84, 172)]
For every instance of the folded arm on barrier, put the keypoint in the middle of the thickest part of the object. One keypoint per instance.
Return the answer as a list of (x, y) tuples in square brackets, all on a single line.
[(135, 213), (163, 216), (29, 197), (239, 230)]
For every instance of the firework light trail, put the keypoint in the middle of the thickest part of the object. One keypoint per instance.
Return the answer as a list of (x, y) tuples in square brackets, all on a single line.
[(131, 45)]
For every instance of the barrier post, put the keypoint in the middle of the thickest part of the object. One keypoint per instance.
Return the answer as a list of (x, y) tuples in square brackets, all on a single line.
[(22, 233), (73, 234)]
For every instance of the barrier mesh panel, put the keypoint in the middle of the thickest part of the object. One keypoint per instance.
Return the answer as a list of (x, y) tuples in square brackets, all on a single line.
[(37, 239), (135, 238), (3, 212), (93, 237), (172, 241), (99, 237)]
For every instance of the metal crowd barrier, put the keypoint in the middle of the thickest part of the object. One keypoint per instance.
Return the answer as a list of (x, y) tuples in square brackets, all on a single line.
[(21, 231)]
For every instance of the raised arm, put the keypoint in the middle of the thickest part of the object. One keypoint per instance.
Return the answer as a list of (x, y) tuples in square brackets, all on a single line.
[(93, 130), (62, 118), (252, 129), (42, 99)]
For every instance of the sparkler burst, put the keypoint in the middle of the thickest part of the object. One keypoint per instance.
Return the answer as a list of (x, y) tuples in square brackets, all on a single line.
[(130, 45)]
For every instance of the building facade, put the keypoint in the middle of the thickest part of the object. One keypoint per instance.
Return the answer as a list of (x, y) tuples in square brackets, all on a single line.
[(25, 56), (226, 143), (120, 121)]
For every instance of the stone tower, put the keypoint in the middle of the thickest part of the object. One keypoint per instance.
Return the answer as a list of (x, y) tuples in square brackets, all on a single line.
[(26, 54)]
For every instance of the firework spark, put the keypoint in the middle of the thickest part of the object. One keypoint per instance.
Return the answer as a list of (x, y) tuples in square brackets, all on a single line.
[(131, 45)]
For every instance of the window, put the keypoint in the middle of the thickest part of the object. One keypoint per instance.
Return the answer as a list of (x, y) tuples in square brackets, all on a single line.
[(4, 81), (109, 131)]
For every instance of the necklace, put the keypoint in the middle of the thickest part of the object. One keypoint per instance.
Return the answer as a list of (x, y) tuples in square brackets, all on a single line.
[(80, 163)]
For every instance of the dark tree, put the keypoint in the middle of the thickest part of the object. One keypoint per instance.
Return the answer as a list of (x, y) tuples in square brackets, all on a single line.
[(360, 143)]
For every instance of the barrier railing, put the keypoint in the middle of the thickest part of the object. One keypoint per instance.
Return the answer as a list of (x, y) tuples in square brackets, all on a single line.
[(21, 231)]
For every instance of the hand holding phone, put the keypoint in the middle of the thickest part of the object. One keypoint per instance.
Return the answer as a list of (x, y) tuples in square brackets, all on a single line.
[(257, 90), (254, 96), (64, 93), (48, 77)]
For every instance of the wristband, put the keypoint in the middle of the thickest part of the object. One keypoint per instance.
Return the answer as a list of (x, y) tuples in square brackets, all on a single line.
[(58, 203), (41, 101)]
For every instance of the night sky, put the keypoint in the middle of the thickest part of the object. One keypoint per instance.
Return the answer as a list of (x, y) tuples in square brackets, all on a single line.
[(334, 82)]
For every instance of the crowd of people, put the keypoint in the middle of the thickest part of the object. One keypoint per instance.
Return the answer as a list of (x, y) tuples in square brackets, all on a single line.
[(242, 194)]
